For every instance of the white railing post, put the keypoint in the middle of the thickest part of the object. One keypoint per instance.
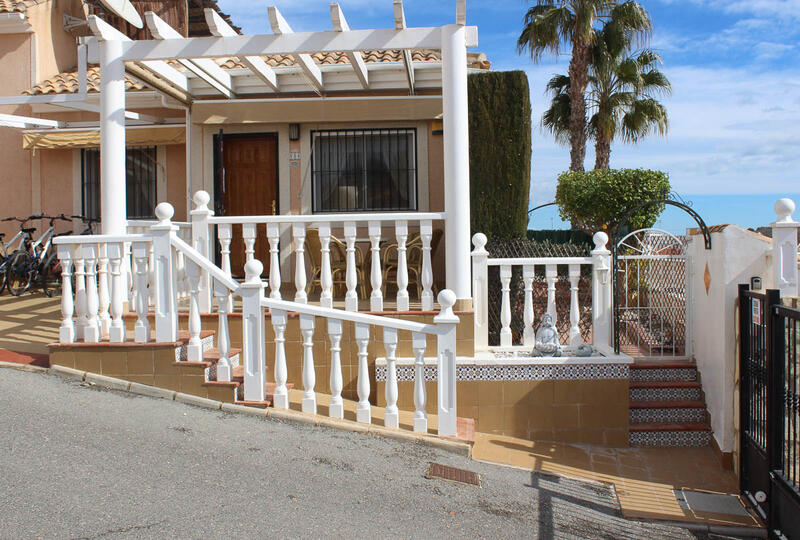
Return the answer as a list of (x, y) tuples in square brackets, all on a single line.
[(66, 332), (281, 395), (91, 333), (401, 231), (253, 354), (601, 291), (391, 416), (103, 292), (222, 295), (225, 237), (480, 292), (550, 276), (784, 248), (201, 241), (426, 235), (81, 321), (249, 238), (375, 276), (274, 236), (419, 343), (364, 409), (325, 278), (447, 321), (351, 277), (505, 308), (309, 373), (165, 275), (116, 332), (574, 306), (528, 334), (194, 350), (336, 407), (299, 238), (141, 254)]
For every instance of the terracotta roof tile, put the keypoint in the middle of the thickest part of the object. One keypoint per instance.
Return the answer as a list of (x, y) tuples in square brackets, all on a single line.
[(67, 83), (15, 6)]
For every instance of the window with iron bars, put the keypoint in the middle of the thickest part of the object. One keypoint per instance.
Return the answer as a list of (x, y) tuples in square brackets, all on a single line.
[(364, 170), (141, 172)]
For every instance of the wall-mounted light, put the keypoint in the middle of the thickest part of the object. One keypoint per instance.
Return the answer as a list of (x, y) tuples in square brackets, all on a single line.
[(294, 132)]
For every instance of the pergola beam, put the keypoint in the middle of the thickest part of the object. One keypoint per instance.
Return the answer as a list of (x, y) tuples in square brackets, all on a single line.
[(281, 27), (16, 121), (340, 25), (256, 64), (204, 68), (400, 24), (461, 12)]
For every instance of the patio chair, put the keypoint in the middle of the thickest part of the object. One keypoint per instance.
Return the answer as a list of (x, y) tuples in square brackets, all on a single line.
[(338, 265), (413, 261)]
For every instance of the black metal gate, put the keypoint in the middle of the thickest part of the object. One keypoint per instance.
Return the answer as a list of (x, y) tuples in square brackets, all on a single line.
[(769, 393)]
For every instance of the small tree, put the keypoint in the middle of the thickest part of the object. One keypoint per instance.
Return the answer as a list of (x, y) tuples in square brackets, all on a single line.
[(597, 200)]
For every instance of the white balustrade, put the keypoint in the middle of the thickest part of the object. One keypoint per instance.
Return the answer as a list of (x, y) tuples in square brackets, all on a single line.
[(225, 236), (551, 275), (375, 276), (363, 409), (336, 407), (309, 373), (401, 230), (528, 334), (274, 234), (325, 277), (141, 252), (391, 415), (201, 241), (281, 395), (91, 332), (574, 308), (66, 332), (194, 350), (103, 293), (115, 253), (224, 370), (505, 309), (480, 292), (426, 235), (253, 354), (351, 274), (299, 238), (249, 237), (418, 346)]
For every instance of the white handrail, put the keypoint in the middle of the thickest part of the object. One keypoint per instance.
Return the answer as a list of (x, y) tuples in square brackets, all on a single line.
[(522, 261), (196, 257), (100, 238), (328, 218)]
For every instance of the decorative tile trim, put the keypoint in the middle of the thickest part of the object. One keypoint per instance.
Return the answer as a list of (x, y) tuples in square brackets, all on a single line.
[(664, 374), (668, 415), (502, 372), (669, 438), (664, 394)]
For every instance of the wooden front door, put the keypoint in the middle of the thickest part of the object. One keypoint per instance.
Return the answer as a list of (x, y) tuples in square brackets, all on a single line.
[(249, 188)]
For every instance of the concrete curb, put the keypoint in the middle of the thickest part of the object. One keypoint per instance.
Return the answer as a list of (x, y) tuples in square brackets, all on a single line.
[(68, 373), (151, 391), (241, 409), (23, 367), (198, 401), (107, 382)]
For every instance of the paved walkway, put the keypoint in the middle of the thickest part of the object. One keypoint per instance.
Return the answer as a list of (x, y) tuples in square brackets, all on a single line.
[(79, 462)]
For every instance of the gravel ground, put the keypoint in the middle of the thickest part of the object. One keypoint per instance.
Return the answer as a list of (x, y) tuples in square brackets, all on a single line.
[(82, 462)]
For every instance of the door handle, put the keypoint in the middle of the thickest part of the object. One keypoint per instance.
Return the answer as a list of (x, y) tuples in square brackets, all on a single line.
[(273, 207)]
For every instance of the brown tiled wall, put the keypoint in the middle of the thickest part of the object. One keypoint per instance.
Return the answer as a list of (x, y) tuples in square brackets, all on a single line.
[(586, 411)]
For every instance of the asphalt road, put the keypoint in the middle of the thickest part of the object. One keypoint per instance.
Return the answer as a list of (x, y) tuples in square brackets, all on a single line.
[(81, 462)]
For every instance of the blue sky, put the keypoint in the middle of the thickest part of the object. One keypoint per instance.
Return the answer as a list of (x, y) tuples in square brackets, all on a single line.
[(734, 140)]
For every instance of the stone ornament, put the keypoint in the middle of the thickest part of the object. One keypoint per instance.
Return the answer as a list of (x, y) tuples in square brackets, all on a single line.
[(547, 343)]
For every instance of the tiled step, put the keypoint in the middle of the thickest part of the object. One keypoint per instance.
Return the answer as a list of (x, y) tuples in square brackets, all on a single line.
[(206, 338), (663, 371), (238, 378), (665, 390), (212, 356), (668, 411), (669, 434)]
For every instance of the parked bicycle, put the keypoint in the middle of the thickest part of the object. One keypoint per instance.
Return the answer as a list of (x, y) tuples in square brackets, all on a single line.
[(37, 262), (6, 251)]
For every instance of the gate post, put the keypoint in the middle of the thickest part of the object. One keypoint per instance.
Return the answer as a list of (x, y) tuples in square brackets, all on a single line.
[(744, 346), (784, 248), (775, 376), (601, 291)]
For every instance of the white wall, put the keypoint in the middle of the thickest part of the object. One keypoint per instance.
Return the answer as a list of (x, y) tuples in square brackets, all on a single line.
[(736, 255)]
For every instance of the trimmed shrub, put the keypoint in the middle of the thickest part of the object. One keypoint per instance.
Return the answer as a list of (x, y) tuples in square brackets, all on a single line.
[(499, 153), (597, 200)]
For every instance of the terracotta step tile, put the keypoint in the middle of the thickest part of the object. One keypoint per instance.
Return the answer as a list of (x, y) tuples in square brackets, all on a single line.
[(212, 355), (256, 404)]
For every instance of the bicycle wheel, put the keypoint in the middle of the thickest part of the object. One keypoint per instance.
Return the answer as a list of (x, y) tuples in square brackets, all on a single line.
[(3, 264), (50, 276), (19, 272)]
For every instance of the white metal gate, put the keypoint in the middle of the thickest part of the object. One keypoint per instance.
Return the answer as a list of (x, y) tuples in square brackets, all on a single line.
[(651, 295)]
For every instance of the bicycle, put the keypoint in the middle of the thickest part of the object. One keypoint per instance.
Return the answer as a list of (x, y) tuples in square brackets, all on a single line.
[(37, 263), (4, 248)]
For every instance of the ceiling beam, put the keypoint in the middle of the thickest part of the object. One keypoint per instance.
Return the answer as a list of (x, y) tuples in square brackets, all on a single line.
[(281, 27), (408, 61), (340, 25), (204, 68), (219, 27), (16, 121), (461, 12)]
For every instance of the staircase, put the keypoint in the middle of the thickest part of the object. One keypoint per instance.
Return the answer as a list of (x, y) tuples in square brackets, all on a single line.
[(667, 406)]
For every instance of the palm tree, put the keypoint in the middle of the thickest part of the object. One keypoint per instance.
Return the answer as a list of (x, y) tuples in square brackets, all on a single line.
[(623, 87), (553, 25)]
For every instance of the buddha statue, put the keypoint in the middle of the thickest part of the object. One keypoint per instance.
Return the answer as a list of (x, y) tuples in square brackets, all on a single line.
[(547, 343)]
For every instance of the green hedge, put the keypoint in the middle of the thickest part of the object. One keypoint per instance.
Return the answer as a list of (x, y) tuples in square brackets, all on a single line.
[(499, 153)]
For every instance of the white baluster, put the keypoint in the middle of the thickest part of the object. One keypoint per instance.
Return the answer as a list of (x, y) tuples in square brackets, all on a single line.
[(130, 276), (200, 242), (551, 274), (336, 408), (274, 235), (528, 336), (194, 351), (505, 309), (249, 237), (376, 279), (309, 373), (116, 332), (82, 320), (92, 330), (225, 236), (426, 234), (401, 231), (325, 278), (351, 278), (299, 237), (66, 332), (141, 252), (281, 395), (180, 274), (418, 345), (103, 296), (574, 309), (222, 293), (364, 409), (392, 415)]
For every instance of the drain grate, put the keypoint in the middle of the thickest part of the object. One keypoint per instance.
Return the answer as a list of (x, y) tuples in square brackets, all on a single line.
[(445, 472), (717, 503)]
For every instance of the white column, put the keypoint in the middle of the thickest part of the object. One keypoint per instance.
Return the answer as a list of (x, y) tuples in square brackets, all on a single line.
[(456, 159), (401, 231), (194, 350), (601, 291), (254, 357), (784, 248), (336, 407), (505, 307), (426, 234), (201, 239), (116, 333), (375, 276), (351, 278), (164, 275), (574, 306), (141, 254), (66, 333), (480, 292), (325, 278), (447, 322), (309, 373), (299, 237), (528, 334), (391, 417), (113, 206), (91, 333), (418, 345), (274, 236), (281, 395), (364, 409)]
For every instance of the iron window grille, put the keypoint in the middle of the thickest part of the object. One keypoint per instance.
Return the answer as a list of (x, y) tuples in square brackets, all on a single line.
[(141, 172), (364, 170)]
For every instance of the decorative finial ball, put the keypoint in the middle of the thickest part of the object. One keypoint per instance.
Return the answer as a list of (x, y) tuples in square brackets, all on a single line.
[(447, 298), (784, 208), (164, 211), (600, 240), (201, 198), (479, 240), (253, 269)]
